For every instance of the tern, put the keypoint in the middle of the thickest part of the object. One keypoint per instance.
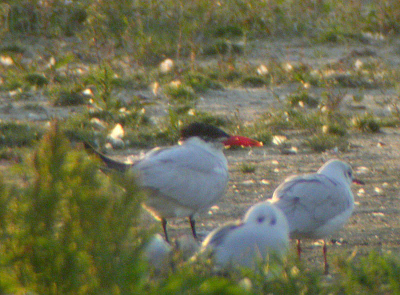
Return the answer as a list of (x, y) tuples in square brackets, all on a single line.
[(185, 179), (316, 205)]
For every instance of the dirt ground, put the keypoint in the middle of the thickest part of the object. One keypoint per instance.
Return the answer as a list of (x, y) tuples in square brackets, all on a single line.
[(375, 158)]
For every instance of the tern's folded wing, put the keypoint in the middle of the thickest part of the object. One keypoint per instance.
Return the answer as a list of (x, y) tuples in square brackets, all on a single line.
[(193, 177)]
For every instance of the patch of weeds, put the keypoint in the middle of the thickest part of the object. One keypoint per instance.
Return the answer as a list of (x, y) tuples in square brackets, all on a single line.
[(302, 98), (129, 115), (11, 153), (103, 79), (321, 142), (247, 168), (330, 36), (389, 122), (253, 81), (232, 75), (24, 17), (12, 82), (229, 31), (331, 102), (304, 120), (70, 97), (354, 81), (366, 123), (180, 93), (13, 48), (265, 136), (302, 73), (358, 97), (334, 129), (375, 273), (36, 79), (212, 119), (200, 82), (136, 81), (149, 136), (259, 130), (36, 107), (84, 133), (223, 47), (24, 95), (13, 134)]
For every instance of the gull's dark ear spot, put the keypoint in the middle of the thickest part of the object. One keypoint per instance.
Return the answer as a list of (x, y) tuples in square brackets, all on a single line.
[(260, 219), (273, 221)]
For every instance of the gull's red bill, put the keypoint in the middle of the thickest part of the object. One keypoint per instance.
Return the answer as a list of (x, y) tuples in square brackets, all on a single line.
[(242, 141)]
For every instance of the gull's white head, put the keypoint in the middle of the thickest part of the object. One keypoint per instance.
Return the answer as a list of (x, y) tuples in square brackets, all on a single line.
[(338, 170), (267, 215)]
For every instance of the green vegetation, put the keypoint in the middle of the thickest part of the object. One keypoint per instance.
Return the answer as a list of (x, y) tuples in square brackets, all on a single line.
[(66, 228), (13, 134), (71, 229), (248, 168)]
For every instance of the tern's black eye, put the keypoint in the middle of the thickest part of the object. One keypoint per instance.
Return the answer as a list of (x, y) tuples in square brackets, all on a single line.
[(260, 219)]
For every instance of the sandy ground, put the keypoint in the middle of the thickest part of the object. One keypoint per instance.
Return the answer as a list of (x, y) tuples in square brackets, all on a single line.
[(374, 157)]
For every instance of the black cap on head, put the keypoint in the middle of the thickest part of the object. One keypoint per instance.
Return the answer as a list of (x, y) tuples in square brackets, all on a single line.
[(205, 131)]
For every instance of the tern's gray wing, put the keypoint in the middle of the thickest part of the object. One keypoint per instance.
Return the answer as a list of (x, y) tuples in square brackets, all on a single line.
[(310, 201), (192, 176), (217, 236)]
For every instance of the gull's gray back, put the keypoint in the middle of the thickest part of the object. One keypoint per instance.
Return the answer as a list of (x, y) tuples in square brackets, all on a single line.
[(311, 201)]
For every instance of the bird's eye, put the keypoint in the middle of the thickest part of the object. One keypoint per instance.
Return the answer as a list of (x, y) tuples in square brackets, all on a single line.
[(273, 221), (260, 219)]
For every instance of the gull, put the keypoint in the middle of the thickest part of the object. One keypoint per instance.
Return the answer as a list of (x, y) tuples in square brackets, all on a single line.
[(185, 179), (316, 205), (264, 230), (158, 253)]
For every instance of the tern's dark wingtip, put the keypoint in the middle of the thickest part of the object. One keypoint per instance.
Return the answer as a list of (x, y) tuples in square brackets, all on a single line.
[(110, 163)]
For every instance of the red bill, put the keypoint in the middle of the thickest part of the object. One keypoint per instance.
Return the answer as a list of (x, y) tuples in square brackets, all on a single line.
[(242, 141)]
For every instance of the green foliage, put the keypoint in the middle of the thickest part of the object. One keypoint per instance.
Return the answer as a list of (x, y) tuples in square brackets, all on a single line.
[(366, 123), (180, 94), (73, 230), (373, 274), (103, 80), (247, 168), (322, 142), (200, 82), (253, 81), (69, 97), (36, 79), (223, 47), (302, 98), (13, 134)]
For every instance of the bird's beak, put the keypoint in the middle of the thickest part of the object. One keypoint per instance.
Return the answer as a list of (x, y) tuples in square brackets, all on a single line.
[(358, 181), (241, 141)]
